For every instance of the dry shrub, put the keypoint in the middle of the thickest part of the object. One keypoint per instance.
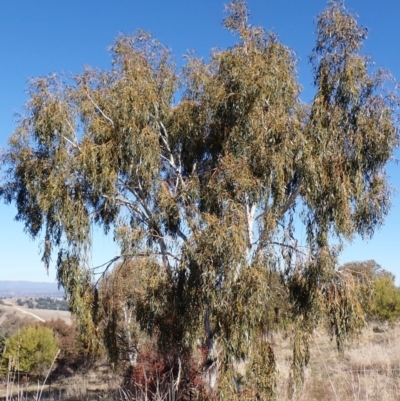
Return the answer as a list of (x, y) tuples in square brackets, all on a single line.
[(73, 357), (164, 376)]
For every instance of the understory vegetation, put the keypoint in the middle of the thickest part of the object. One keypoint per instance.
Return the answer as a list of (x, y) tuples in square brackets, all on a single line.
[(366, 370)]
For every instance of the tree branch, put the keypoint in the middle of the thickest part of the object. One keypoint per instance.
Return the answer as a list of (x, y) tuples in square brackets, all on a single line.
[(100, 110), (291, 198), (288, 203), (250, 210), (177, 168)]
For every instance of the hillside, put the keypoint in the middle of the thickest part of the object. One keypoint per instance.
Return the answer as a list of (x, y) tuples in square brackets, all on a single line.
[(10, 306), (10, 289)]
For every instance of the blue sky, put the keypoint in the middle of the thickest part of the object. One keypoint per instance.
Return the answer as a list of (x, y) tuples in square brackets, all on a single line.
[(46, 36)]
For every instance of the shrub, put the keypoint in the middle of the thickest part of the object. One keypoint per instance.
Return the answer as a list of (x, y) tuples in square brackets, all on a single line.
[(31, 350), (72, 355), (386, 299), (380, 298), (10, 326)]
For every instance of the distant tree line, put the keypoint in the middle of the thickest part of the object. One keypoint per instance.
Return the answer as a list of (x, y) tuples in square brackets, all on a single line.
[(44, 303)]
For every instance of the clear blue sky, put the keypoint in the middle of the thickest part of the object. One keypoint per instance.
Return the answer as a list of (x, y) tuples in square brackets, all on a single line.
[(41, 37)]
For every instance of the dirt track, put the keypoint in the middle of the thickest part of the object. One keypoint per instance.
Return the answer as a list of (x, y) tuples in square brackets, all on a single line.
[(30, 313), (39, 314)]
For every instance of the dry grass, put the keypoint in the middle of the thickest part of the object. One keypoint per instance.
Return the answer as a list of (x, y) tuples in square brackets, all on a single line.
[(368, 370), (80, 387), (22, 311)]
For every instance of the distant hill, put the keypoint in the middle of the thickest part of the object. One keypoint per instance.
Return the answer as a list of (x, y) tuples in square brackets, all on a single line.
[(12, 289)]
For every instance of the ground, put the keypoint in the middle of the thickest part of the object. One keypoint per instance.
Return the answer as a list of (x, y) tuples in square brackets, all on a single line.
[(368, 370), (10, 306)]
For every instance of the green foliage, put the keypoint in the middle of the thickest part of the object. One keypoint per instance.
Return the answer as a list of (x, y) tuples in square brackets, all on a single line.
[(202, 193), (10, 325), (31, 350), (44, 303), (386, 300), (380, 298)]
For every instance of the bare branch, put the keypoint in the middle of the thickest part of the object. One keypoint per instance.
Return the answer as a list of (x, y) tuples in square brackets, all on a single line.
[(291, 198), (292, 247), (74, 132), (287, 205), (171, 160), (108, 263), (100, 110), (71, 143), (250, 210), (182, 235)]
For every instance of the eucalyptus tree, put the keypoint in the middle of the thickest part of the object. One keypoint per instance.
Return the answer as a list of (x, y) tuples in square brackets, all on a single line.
[(203, 189)]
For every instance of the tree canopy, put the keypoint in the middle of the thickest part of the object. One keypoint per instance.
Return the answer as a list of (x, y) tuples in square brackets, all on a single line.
[(202, 173)]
